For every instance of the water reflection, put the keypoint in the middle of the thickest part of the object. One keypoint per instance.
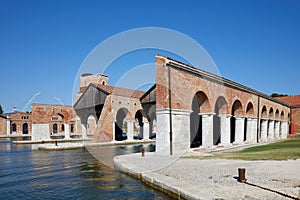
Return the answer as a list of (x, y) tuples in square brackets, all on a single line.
[(72, 174), (105, 154)]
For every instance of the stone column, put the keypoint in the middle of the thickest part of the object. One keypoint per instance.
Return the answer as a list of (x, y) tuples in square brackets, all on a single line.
[(254, 130), (130, 129), (264, 129), (162, 132), (83, 129), (239, 129), (250, 130), (225, 129), (207, 129), (146, 131), (180, 131), (8, 127), (276, 131), (67, 131), (271, 130), (284, 128)]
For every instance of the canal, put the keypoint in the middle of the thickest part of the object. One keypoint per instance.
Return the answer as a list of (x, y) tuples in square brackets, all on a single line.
[(70, 174)]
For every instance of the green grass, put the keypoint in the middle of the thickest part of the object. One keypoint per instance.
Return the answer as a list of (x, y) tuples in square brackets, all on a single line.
[(285, 150)]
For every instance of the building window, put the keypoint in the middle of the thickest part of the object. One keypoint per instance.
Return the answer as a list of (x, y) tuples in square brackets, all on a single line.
[(54, 128), (63, 127), (103, 82), (14, 128)]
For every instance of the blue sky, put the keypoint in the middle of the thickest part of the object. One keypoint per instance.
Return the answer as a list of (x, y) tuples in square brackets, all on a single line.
[(43, 43)]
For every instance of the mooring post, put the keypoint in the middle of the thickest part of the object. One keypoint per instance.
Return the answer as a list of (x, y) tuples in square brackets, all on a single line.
[(55, 142), (242, 175), (143, 152)]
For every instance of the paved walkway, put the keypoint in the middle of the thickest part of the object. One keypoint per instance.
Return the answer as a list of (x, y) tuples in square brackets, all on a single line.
[(213, 179)]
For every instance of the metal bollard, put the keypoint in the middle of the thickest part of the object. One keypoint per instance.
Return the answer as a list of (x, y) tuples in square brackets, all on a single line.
[(55, 142), (143, 152), (242, 175)]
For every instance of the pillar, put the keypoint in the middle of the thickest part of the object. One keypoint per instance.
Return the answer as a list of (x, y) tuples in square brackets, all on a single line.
[(207, 129), (271, 130), (254, 130), (239, 129), (225, 129), (67, 131), (264, 129), (284, 129), (8, 127), (180, 131), (276, 131), (250, 130), (130, 129), (146, 131), (83, 129)]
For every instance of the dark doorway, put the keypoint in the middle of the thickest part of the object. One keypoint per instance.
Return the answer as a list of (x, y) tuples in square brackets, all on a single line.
[(14, 128), (232, 129), (120, 126), (245, 129), (25, 128), (55, 128)]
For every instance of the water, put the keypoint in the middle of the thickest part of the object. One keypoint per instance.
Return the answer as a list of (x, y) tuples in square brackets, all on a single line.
[(71, 174)]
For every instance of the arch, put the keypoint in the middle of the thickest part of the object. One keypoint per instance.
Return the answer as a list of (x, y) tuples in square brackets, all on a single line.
[(203, 102), (120, 126), (271, 113), (91, 124), (25, 128), (138, 125), (237, 108), (55, 128), (282, 115), (200, 103), (250, 109), (14, 127), (72, 128), (264, 112), (277, 114), (220, 108)]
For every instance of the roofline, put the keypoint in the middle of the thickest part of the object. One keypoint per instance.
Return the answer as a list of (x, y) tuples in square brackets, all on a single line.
[(148, 91), (90, 85), (44, 104), (221, 80), (99, 88)]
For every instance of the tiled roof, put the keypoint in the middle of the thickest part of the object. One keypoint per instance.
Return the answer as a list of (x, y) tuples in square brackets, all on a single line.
[(290, 100), (121, 91)]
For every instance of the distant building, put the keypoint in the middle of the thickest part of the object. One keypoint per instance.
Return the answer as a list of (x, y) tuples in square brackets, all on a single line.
[(55, 119), (294, 103)]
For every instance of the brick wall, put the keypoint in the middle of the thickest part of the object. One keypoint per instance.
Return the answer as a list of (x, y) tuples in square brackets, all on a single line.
[(185, 85), (296, 119)]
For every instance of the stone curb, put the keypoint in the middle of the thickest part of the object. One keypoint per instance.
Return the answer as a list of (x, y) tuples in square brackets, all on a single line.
[(171, 186)]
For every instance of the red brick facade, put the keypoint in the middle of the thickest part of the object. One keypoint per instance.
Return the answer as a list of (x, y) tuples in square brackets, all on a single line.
[(54, 115), (294, 102), (185, 85)]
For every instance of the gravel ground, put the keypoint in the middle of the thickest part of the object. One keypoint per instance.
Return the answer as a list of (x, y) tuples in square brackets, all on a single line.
[(217, 177)]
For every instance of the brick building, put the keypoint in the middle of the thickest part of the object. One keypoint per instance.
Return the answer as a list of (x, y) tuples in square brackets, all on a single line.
[(114, 111), (294, 103), (205, 110), (56, 119)]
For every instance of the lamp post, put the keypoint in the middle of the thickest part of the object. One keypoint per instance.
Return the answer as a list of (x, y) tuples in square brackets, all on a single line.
[(170, 112)]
